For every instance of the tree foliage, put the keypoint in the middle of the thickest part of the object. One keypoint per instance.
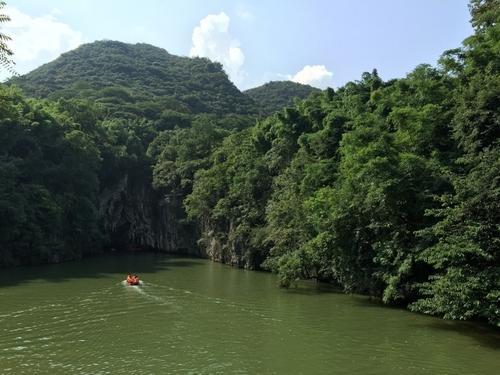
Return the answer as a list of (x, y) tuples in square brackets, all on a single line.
[(137, 80), (273, 96), (49, 183), (6, 53), (386, 188)]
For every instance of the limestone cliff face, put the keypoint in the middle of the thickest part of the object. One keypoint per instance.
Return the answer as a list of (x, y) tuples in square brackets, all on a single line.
[(135, 216), (224, 246)]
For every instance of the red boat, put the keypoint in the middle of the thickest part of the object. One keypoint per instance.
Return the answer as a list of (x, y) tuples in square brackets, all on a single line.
[(133, 280)]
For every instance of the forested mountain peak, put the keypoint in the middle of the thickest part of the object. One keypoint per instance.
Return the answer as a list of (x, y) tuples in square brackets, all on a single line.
[(273, 96), (119, 74)]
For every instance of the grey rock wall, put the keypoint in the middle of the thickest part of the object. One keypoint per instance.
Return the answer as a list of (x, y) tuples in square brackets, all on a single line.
[(135, 216)]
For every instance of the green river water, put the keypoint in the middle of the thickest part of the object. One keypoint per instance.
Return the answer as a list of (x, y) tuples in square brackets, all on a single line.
[(192, 316)]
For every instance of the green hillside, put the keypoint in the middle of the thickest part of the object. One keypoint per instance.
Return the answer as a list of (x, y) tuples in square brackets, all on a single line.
[(137, 79), (275, 95)]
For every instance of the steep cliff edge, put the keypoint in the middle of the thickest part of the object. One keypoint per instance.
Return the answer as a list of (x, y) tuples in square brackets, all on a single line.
[(135, 216)]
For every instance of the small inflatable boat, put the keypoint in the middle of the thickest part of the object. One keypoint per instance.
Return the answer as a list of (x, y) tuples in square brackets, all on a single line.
[(133, 280)]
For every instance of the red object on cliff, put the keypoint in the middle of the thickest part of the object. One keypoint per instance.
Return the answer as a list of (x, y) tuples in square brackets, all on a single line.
[(132, 280)]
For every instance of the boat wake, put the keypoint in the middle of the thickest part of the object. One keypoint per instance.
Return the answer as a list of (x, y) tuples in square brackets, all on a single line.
[(124, 282), (148, 291)]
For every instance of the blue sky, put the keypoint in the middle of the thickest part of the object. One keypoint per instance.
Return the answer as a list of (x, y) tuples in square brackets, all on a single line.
[(320, 42)]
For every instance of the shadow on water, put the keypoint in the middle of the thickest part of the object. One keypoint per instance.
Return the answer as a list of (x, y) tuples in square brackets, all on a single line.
[(99, 266), (312, 288), (481, 332), (484, 334)]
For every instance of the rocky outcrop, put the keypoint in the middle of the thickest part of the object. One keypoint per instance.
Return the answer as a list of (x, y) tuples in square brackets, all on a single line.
[(225, 246), (135, 216)]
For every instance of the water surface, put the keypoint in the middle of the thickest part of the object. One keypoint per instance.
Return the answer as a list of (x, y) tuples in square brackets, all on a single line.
[(195, 316)]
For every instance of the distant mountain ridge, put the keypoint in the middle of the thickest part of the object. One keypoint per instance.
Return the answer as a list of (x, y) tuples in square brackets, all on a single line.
[(275, 95), (117, 73), (124, 77)]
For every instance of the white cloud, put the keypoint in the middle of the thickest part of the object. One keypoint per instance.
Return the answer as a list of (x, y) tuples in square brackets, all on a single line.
[(211, 38), (314, 75), (37, 40)]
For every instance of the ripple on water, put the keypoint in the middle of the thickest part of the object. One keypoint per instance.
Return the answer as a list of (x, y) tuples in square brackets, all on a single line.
[(195, 321)]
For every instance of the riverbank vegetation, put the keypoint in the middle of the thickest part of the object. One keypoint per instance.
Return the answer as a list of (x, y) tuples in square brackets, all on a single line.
[(389, 188)]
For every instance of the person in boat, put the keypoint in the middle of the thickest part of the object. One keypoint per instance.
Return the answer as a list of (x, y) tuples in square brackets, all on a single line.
[(132, 279)]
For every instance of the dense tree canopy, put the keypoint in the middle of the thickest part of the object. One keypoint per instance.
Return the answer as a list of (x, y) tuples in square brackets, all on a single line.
[(137, 80), (273, 96), (49, 183)]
